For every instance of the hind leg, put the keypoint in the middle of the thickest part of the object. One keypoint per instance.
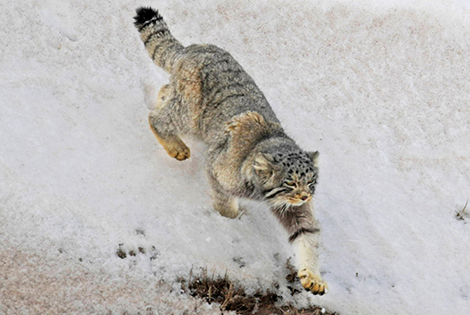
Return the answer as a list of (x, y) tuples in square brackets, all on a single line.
[(164, 123)]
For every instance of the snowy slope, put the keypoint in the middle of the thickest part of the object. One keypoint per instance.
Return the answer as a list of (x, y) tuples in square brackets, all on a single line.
[(381, 90)]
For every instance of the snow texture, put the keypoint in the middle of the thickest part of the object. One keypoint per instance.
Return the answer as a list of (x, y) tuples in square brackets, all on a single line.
[(382, 90)]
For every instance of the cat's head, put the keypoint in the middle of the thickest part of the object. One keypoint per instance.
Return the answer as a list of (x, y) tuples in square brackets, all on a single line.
[(287, 178)]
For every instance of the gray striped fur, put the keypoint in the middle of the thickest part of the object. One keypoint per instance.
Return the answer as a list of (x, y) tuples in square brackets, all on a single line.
[(249, 155)]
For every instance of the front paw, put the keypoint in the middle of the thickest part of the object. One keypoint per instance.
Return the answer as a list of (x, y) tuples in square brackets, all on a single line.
[(312, 282)]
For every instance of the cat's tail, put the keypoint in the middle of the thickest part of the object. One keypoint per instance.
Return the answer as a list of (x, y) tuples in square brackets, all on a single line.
[(160, 44)]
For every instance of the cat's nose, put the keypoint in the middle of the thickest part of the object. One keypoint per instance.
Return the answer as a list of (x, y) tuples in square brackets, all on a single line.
[(304, 197)]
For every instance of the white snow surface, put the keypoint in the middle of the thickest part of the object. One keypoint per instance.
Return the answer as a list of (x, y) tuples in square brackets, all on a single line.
[(382, 90)]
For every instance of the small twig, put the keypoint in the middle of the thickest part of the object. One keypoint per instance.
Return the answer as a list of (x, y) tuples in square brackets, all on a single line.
[(465, 207), (460, 214)]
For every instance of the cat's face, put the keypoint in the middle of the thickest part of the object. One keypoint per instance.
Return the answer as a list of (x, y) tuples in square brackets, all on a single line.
[(287, 179)]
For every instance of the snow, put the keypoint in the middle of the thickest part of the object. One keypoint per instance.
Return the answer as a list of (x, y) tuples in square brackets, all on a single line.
[(380, 89)]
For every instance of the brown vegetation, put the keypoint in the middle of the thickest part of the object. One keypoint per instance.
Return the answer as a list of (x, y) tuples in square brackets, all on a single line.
[(232, 297)]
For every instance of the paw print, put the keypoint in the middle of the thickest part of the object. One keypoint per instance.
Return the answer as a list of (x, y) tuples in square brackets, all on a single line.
[(152, 252), (312, 282)]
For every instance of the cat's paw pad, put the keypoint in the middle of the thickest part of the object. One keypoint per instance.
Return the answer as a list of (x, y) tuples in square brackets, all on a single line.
[(179, 152), (312, 282)]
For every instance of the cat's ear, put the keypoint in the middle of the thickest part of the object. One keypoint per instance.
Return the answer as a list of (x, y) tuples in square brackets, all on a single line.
[(265, 166), (314, 156)]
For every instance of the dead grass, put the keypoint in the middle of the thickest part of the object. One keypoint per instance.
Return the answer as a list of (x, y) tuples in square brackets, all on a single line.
[(232, 297)]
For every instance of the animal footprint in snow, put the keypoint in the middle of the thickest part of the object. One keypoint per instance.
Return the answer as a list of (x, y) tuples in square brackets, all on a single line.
[(122, 253)]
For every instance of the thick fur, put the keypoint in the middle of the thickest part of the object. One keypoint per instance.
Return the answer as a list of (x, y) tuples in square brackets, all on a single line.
[(211, 97)]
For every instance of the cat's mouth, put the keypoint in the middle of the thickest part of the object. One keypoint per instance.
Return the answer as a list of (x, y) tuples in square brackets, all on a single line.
[(298, 201)]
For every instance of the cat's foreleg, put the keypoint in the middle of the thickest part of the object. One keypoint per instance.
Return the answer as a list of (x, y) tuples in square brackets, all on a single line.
[(305, 247), (304, 235), (225, 203)]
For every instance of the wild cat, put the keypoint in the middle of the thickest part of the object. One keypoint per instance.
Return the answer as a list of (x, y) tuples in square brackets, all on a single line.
[(249, 155)]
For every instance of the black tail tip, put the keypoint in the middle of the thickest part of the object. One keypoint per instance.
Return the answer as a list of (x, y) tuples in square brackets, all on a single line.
[(146, 15)]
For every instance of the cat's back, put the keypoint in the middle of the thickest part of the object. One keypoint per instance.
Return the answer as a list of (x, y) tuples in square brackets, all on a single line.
[(225, 89)]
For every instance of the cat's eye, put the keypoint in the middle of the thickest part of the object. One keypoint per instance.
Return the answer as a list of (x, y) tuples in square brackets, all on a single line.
[(290, 184)]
